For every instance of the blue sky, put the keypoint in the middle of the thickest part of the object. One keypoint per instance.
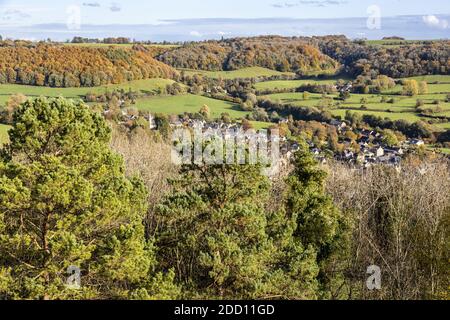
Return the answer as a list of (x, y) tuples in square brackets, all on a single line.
[(101, 12), (180, 20)]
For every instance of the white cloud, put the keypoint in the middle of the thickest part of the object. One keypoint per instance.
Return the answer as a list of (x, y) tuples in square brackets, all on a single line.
[(434, 22), (195, 34)]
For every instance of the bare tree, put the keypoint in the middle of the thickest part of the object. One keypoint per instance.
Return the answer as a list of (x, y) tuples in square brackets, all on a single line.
[(146, 155), (401, 223)]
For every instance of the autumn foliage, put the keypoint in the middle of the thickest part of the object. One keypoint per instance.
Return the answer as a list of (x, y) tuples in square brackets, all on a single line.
[(276, 53), (66, 66)]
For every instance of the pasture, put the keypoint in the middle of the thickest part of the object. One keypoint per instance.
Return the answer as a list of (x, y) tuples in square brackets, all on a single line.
[(125, 45), (188, 103), (408, 116), (252, 72), (3, 134), (289, 84), (389, 104), (394, 42), (433, 79), (143, 86), (402, 107)]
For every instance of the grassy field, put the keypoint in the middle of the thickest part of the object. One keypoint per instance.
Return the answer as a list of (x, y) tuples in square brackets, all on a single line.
[(148, 85), (403, 107), (252, 72), (408, 116), (289, 84), (393, 43), (258, 125), (433, 79), (296, 99), (3, 134), (127, 45), (433, 89), (188, 103), (443, 126)]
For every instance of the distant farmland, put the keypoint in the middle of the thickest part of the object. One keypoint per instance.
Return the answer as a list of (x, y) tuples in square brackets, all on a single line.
[(188, 103), (145, 86), (252, 72), (3, 134)]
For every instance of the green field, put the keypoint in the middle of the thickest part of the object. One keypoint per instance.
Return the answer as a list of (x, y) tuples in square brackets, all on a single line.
[(296, 99), (3, 134), (433, 79), (127, 45), (252, 72), (188, 103), (408, 116), (443, 126), (404, 107), (433, 89), (289, 84), (144, 86), (258, 125), (393, 43)]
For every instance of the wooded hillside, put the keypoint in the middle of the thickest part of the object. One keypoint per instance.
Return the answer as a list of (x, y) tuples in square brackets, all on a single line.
[(276, 53), (67, 66), (397, 62)]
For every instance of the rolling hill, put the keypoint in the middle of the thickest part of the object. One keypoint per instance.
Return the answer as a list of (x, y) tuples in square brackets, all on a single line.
[(275, 53), (71, 66)]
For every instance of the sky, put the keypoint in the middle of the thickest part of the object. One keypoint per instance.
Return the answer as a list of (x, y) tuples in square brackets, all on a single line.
[(85, 16)]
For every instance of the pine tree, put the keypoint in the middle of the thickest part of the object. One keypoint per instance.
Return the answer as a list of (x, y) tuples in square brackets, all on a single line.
[(65, 201), (214, 229), (318, 224)]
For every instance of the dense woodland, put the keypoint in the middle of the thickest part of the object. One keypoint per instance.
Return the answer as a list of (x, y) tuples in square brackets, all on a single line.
[(303, 54), (397, 62), (276, 53), (66, 66)]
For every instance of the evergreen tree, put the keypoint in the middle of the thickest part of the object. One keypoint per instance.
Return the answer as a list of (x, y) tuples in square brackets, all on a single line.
[(318, 225), (65, 201), (214, 229)]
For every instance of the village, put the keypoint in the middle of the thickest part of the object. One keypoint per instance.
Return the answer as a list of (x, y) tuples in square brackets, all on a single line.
[(372, 149)]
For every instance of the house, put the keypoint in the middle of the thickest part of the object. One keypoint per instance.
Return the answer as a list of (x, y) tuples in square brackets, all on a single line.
[(315, 151), (395, 151), (152, 122), (322, 160), (345, 88), (348, 154), (339, 124), (379, 152), (361, 158), (417, 142)]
